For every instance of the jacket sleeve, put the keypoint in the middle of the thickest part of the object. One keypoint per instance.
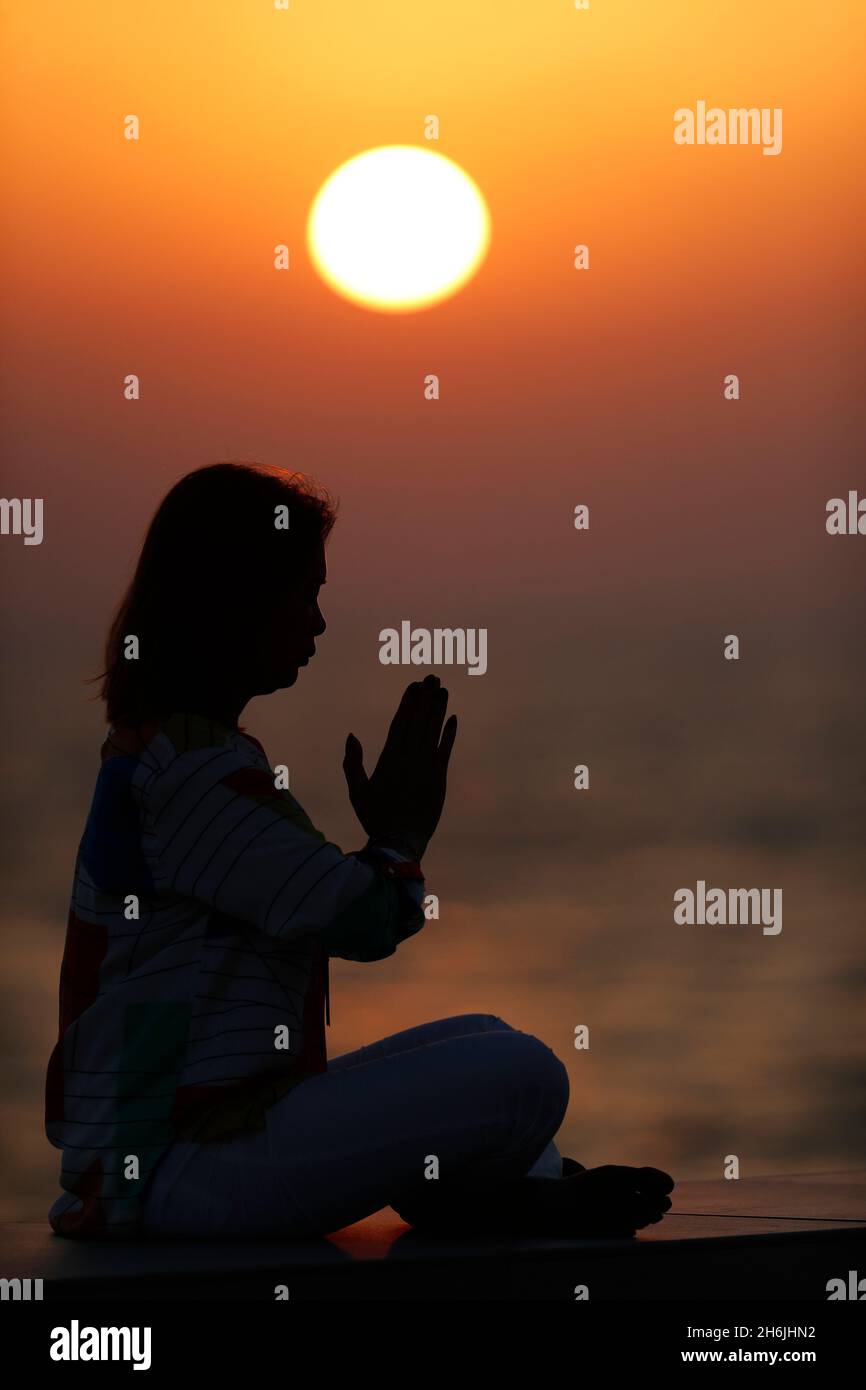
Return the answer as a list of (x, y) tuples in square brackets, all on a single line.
[(372, 930), (215, 828)]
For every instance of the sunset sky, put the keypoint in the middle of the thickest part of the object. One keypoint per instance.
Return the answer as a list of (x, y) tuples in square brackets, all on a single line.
[(558, 387)]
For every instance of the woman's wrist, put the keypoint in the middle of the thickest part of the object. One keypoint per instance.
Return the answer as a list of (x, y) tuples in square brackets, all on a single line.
[(410, 843)]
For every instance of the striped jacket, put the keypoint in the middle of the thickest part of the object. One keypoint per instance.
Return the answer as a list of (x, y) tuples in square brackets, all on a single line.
[(205, 906)]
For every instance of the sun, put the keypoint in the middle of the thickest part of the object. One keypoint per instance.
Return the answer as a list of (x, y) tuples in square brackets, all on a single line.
[(398, 228)]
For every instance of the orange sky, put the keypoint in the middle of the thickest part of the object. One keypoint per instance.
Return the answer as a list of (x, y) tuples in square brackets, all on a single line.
[(157, 256), (563, 117)]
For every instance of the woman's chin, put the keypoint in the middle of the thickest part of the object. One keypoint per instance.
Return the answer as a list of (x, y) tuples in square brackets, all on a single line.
[(280, 680)]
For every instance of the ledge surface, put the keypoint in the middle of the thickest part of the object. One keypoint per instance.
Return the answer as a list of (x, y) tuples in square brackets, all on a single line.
[(754, 1237)]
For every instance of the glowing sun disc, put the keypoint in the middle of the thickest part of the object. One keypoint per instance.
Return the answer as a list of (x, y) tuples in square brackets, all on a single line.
[(398, 228)]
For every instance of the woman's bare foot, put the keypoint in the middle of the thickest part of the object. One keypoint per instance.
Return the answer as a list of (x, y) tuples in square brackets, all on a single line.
[(612, 1200)]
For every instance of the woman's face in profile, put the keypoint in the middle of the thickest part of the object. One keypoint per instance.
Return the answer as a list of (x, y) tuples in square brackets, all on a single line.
[(288, 637)]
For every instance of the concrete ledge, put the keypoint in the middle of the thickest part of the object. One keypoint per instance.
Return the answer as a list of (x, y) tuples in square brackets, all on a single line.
[(756, 1238)]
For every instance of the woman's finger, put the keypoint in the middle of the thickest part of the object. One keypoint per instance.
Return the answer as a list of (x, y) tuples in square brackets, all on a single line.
[(449, 734), (403, 717), (416, 730), (431, 716), (353, 767)]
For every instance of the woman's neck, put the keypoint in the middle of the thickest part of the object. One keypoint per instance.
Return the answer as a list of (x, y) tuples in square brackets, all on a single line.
[(222, 708)]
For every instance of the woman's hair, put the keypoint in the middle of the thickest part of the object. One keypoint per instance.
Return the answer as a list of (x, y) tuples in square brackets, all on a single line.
[(213, 562)]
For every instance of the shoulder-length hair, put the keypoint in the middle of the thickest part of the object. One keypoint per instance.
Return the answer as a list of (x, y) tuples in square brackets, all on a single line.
[(213, 560)]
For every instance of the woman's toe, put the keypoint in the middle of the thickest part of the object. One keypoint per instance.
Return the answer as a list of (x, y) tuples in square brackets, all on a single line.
[(571, 1165), (655, 1179)]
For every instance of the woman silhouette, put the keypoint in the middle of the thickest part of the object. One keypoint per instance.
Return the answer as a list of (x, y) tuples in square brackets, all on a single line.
[(190, 1089)]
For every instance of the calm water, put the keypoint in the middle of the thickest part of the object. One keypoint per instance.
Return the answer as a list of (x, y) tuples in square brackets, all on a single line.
[(703, 1042)]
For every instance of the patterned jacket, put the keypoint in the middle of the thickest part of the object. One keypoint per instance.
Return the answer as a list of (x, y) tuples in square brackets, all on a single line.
[(205, 906)]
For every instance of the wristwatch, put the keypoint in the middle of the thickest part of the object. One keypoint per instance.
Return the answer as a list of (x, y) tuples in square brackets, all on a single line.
[(392, 869)]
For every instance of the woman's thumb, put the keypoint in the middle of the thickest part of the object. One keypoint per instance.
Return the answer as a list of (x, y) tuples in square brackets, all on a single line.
[(353, 760)]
